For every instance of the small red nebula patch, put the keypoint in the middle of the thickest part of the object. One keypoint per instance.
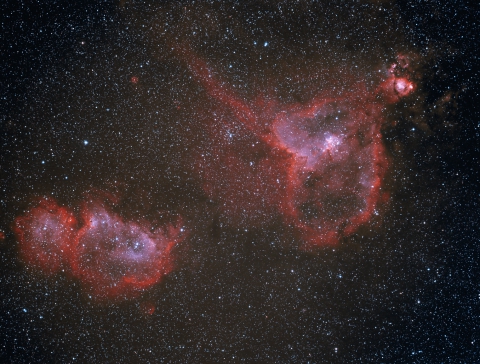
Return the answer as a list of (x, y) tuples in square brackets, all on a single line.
[(394, 88), (134, 80), (398, 84), (113, 258), (147, 308)]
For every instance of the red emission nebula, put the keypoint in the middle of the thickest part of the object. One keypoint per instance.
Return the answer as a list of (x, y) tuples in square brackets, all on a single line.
[(319, 165), (112, 258)]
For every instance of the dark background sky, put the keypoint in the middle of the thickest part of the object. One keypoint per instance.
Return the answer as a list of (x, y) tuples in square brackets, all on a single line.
[(404, 289)]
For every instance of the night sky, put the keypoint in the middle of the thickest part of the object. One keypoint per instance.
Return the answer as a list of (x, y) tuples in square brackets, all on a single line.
[(160, 119)]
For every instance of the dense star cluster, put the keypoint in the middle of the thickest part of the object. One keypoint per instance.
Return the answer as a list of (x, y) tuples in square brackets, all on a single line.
[(273, 182)]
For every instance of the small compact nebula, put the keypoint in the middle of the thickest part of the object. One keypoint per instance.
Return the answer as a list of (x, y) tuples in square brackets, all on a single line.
[(113, 258)]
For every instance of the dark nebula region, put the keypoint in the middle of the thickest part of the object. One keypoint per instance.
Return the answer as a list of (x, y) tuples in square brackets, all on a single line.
[(318, 165)]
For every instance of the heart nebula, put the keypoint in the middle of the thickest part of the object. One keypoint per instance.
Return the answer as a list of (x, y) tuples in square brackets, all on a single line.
[(320, 164)]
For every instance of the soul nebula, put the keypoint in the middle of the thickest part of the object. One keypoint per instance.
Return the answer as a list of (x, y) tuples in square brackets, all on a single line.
[(113, 258)]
